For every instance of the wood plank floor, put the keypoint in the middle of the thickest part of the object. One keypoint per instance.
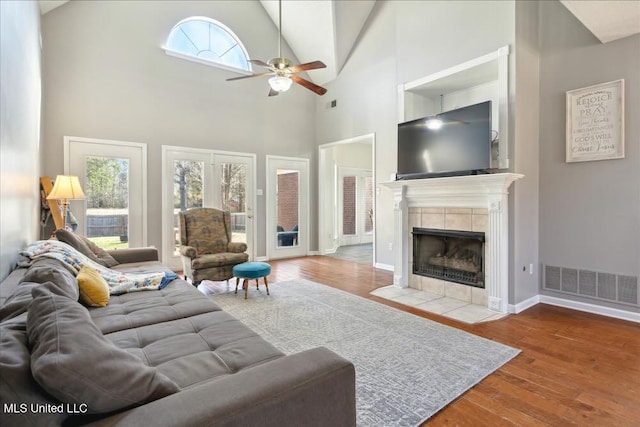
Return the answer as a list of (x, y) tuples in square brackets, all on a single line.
[(575, 369)]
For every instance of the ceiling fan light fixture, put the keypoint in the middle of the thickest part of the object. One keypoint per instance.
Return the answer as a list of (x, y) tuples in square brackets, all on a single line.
[(280, 83)]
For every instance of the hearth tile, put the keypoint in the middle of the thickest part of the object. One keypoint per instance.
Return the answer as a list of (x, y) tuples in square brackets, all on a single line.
[(392, 291), (467, 211), (416, 298), (432, 220), (457, 221), (480, 223), (457, 291), (442, 305), (471, 313)]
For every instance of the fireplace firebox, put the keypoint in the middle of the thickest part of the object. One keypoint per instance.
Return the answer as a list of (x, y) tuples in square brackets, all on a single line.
[(455, 256)]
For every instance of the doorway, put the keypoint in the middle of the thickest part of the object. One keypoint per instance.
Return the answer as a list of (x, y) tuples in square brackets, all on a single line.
[(113, 175), (346, 177), (287, 207), (207, 178)]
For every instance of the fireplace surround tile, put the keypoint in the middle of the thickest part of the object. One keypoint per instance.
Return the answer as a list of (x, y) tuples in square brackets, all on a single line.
[(432, 220), (432, 285), (479, 222), (479, 296), (466, 211), (457, 291), (456, 221), (432, 210)]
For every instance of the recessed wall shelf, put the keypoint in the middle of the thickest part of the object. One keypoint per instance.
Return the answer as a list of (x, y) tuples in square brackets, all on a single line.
[(477, 80)]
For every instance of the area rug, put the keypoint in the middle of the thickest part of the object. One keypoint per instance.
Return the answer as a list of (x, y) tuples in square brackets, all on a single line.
[(407, 367)]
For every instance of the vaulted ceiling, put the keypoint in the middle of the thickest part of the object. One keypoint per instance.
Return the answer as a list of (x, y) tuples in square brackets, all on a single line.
[(327, 30)]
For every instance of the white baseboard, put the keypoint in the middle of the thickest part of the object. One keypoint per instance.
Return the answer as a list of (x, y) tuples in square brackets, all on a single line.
[(262, 258), (329, 251), (313, 253), (383, 266), (523, 305), (591, 308)]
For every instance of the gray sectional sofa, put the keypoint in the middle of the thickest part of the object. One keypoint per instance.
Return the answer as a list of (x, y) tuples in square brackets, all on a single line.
[(169, 357)]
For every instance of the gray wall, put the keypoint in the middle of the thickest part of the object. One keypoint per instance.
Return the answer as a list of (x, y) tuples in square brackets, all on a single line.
[(589, 211), (524, 271), (105, 76), (20, 85), (403, 41)]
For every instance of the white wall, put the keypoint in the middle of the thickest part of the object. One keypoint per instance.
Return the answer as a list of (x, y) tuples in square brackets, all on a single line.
[(105, 76), (403, 41), (20, 85)]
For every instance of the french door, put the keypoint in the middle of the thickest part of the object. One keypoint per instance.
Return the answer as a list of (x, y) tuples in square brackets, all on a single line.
[(355, 206), (113, 177), (287, 207), (207, 178)]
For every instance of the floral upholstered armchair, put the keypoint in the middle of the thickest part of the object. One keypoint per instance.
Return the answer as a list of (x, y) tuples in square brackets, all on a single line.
[(206, 248)]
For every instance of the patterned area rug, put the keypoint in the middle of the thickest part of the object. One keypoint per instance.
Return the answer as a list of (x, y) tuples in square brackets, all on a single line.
[(407, 367)]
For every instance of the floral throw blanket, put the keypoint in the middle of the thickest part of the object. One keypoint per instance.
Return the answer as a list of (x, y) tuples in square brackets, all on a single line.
[(73, 260)]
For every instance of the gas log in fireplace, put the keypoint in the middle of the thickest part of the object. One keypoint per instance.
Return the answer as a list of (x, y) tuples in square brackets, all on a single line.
[(456, 256)]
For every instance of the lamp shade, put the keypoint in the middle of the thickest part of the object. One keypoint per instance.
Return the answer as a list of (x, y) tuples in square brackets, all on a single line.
[(280, 83), (66, 187)]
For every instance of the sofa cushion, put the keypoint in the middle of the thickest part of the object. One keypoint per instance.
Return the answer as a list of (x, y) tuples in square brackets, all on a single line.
[(75, 241), (197, 349), (51, 270), (94, 291), (177, 300), (17, 386), (75, 363), (103, 256), (217, 260)]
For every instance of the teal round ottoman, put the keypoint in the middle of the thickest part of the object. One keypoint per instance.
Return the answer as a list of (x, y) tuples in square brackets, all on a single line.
[(251, 270)]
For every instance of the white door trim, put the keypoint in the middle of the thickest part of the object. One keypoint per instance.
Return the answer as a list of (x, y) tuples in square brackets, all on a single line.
[(303, 230), (142, 146), (326, 246)]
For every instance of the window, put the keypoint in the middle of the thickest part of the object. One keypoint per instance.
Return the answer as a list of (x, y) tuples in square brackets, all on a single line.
[(207, 41)]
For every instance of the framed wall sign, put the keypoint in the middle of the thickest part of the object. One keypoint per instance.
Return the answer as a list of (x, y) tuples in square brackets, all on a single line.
[(595, 122)]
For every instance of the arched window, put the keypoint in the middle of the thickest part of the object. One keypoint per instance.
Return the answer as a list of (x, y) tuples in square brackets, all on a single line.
[(209, 41)]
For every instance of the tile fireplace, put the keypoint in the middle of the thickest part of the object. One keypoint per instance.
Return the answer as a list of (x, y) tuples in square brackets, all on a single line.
[(476, 204)]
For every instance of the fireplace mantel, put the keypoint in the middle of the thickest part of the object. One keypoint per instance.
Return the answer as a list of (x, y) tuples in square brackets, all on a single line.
[(489, 191)]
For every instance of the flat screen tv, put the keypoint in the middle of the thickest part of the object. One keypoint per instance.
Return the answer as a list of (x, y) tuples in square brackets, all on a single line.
[(456, 142)]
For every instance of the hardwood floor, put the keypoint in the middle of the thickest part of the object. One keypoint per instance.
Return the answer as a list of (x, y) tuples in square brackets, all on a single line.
[(575, 368)]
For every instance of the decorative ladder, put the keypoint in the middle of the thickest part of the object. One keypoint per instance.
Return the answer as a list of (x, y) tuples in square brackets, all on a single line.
[(46, 184)]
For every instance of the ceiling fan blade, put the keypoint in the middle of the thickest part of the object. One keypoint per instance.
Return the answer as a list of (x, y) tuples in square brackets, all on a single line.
[(311, 86), (259, 62), (273, 92), (249, 76), (308, 66)]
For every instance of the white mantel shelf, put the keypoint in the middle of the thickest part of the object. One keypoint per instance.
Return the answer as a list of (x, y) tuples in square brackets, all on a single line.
[(488, 191), (457, 191)]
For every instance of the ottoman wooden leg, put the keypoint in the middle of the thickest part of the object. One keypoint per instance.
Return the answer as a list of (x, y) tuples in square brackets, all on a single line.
[(237, 282), (266, 284), (245, 284)]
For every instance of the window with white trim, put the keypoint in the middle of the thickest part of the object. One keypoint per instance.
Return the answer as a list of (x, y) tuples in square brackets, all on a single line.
[(207, 40)]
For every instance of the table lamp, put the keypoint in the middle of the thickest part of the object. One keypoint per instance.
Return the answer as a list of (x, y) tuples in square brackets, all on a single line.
[(66, 187)]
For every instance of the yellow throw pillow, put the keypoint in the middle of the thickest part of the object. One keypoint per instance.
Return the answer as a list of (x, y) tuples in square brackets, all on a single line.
[(94, 291)]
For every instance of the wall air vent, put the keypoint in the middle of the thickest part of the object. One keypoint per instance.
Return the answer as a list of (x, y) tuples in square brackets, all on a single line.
[(602, 286)]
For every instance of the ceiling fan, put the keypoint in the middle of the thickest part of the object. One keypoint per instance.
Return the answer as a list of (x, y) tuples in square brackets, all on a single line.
[(284, 74)]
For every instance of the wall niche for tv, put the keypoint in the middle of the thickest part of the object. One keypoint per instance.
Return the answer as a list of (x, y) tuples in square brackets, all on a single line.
[(480, 79)]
